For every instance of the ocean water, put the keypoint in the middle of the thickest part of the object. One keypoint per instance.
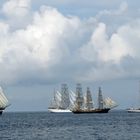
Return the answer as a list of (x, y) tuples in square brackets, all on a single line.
[(115, 125)]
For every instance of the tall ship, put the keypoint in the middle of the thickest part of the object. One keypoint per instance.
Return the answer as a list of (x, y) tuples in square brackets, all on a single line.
[(61, 101), (3, 101), (84, 104)]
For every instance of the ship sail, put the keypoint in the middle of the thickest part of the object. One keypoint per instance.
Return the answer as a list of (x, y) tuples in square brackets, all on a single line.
[(79, 98), (54, 101), (3, 100), (85, 105), (109, 103), (61, 100), (65, 101), (72, 98), (88, 103), (58, 99), (100, 99), (105, 103)]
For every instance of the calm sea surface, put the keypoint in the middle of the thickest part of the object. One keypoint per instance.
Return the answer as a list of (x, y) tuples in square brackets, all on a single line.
[(115, 125)]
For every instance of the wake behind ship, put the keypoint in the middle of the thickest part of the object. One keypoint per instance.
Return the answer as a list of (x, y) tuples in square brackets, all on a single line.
[(85, 104), (3, 101)]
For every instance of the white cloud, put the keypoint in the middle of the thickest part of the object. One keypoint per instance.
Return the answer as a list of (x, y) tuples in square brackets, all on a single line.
[(53, 47), (120, 11), (18, 8), (116, 56), (17, 13), (28, 52), (105, 48)]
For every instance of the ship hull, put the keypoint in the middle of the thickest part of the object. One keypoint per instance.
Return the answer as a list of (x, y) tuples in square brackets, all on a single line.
[(59, 110), (1, 111), (91, 111)]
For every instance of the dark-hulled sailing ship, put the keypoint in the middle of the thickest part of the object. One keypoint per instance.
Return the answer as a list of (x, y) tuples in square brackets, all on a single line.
[(3, 101), (85, 104)]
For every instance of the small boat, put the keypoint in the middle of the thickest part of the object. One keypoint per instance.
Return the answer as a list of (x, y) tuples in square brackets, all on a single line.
[(85, 104), (133, 110), (3, 101)]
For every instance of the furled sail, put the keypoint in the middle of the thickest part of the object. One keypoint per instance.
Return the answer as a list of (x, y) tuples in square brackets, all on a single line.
[(3, 100)]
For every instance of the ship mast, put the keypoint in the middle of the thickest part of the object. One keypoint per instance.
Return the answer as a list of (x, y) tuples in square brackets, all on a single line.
[(53, 102), (65, 96), (88, 100), (79, 97), (100, 99)]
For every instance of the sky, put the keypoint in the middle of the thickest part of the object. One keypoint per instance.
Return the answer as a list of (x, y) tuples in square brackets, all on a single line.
[(49, 42)]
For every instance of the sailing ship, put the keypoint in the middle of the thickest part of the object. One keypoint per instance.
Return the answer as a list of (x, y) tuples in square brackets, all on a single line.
[(85, 104), (3, 101), (61, 101)]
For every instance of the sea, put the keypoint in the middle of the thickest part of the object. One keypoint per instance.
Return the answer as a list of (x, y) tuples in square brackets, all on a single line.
[(115, 125)]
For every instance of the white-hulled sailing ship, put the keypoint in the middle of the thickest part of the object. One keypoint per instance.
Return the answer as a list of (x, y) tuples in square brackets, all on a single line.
[(85, 104), (3, 101), (61, 101)]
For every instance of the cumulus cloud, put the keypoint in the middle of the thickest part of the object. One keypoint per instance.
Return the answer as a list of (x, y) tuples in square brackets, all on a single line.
[(53, 47), (105, 48), (115, 56)]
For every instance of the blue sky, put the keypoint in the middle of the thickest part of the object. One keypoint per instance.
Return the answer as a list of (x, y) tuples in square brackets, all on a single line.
[(48, 42)]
